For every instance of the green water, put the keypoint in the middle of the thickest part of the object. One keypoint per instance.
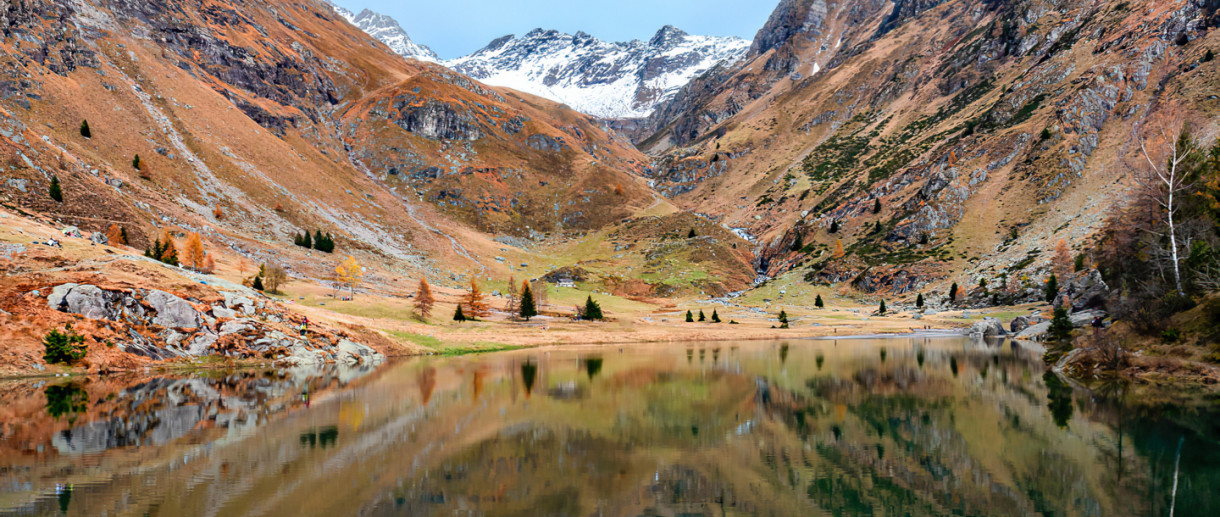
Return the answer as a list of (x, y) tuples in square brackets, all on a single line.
[(851, 427)]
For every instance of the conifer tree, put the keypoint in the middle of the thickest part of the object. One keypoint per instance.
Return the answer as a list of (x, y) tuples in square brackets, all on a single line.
[(953, 293), (593, 310), (877, 206), (919, 301), (114, 235), (715, 316), (881, 310), (691, 235), (1052, 288), (527, 308), (798, 243), (702, 318), (690, 318), (307, 241), (135, 162), (834, 226), (783, 319), (424, 301), (55, 191), (84, 129), (817, 302), (476, 304), (257, 284), (194, 253), (123, 236), (1061, 326), (457, 314), (169, 252)]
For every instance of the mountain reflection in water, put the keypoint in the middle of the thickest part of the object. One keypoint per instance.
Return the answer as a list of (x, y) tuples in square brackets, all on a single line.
[(860, 427)]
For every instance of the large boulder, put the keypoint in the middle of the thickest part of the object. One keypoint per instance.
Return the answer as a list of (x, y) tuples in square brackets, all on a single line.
[(172, 311), (240, 302), (987, 327), (1018, 324), (355, 353), (87, 300)]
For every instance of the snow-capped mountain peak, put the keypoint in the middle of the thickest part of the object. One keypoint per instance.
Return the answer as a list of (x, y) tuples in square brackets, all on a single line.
[(604, 79), (387, 30)]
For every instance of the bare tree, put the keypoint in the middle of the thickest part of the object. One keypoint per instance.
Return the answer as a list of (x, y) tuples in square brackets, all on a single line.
[(1166, 146)]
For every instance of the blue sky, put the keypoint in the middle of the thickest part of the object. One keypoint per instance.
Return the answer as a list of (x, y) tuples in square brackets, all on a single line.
[(455, 28)]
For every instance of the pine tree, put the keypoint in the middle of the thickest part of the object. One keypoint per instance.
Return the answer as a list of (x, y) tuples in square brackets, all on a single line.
[(1052, 288), (798, 243), (783, 319), (457, 314), (135, 162), (424, 300), (691, 235), (318, 242), (817, 302), (527, 308), (84, 129), (1208, 56), (296, 239), (715, 316), (209, 265), (690, 318), (919, 301), (834, 226), (257, 284), (306, 241), (881, 310), (702, 318), (1061, 326), (593, 311), (123, 236), (953, 293), (877, 206), (55, 191), (983, 284)]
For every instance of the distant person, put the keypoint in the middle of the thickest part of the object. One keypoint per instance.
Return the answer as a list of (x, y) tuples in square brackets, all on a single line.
[(1098, 324)]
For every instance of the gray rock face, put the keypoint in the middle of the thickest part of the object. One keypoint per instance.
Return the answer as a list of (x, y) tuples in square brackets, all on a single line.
[(1086, 292), (99, 238), (87, 300), (988, 327), (172, 311), (223, 313), (356, 353)]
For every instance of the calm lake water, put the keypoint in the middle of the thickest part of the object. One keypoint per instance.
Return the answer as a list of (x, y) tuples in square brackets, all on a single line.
[(849, 427)]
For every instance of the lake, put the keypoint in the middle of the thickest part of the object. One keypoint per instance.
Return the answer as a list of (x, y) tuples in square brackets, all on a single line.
[(885, 426)]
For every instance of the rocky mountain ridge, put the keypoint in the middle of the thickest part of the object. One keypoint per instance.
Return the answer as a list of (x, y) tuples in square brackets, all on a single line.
[(611, 80), (386, 29)]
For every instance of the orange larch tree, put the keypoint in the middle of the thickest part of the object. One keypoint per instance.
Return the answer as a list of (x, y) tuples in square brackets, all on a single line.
[(193, 253), (424, 301), (475, 302)]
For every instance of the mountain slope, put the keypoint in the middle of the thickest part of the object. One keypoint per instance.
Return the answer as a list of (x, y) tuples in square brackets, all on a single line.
[(605, 79), (984, 130)]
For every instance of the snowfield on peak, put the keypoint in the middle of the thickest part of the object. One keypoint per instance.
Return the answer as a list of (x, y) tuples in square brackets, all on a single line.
[(611, 80)]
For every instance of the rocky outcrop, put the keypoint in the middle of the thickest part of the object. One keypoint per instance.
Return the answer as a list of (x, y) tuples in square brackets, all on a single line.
[(1084, 292), (160, 325)]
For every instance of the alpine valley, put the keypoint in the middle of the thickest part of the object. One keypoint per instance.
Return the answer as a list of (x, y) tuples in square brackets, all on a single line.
[(889, 257), (194, 178)]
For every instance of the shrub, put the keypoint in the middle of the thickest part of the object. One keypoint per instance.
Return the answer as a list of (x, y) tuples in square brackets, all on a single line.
[(65, 347), (1171, 335)]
